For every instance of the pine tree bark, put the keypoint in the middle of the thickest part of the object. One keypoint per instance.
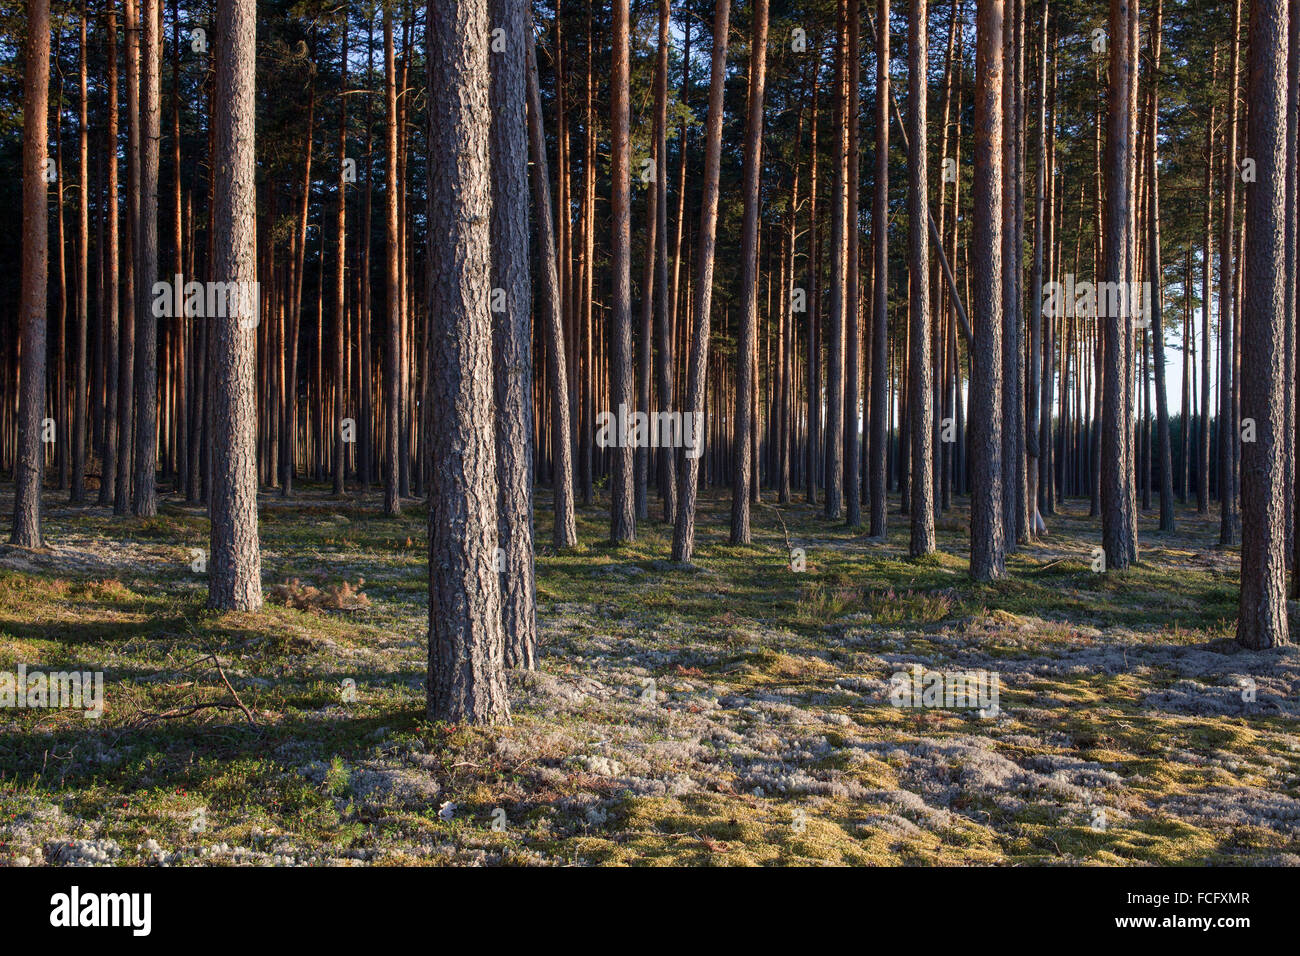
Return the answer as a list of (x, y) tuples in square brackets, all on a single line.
[(1262, 621), (743, 464), (812, 441), (565, 531), (689, 465), (880, 287), (622, 529), (235, 566), (834, 444), (852, 286), (126, 338), (1207, 270), (1119, 534), (1013, 491), (920, 385), (297, 259), (78, 492), (340, 273), (393, 340), (29, 465), (466, 676), (143, 500), (664, 309), (1229, 517), (1292, 292), (1037, 409), (512, 329), (1293, 286), (988, 550), (1163, 442), (109, 316)]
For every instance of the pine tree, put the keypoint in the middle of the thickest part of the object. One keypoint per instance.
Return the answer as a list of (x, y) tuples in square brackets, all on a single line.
[(466, 675)]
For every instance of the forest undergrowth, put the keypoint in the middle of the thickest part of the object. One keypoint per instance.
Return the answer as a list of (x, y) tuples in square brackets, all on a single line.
[(737, 711)]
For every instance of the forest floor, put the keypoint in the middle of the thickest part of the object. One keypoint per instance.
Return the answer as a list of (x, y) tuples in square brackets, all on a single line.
[(736, 712)]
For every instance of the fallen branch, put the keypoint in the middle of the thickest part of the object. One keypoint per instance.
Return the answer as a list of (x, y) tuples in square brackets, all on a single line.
[(149, 717), (194, 708)]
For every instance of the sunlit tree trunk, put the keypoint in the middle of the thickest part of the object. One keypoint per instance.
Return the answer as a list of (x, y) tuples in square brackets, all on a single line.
[(693, 404), (29, 466), (512, 329), (920, 386), (126, 339), (109, 317), (81, 396), (664, 309), (1119, 534), (622, 494), (852, 286), (880, 287), (235, 566), (834, 446), (1229, 518), (1263, 615), (1163, 442), (743, 464), (393, 340), (466, 676), (552, 318), (988, 559), (340, 272)]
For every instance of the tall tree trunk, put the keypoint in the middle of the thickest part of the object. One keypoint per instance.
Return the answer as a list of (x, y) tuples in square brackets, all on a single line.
[(880, 286), (1229, 519), (81, 397), (126, 340), (1033, 384), (622, 501), (852, 286), (834, 447), (586, 430), (920, 389), (1207, 270), (29, 466), (664, 309), (365, 464), (742, 463), (109, 315), (466, 681), (565, 533), (144, 501), (1119, 533), (1013, 492), (1263, 616), (511, 329), (812, 441), (235, 565), (1157, 299), (393, 340), (1292, 448), (988, 560), (688, 474), (182, 329), (58, 374), (1293, 286), (297, 257), (340, 275)]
